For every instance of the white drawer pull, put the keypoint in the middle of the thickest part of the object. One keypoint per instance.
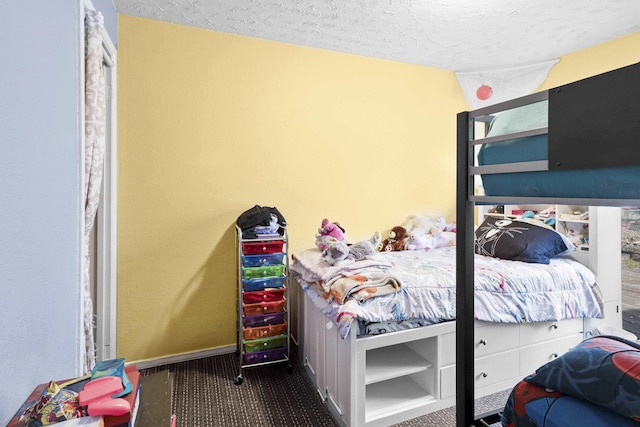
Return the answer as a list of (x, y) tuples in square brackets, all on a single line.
[(484, 374), (554, 355), (554, 326), (483, 342)]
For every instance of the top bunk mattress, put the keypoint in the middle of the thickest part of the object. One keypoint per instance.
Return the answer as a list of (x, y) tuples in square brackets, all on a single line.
[(601, 183)]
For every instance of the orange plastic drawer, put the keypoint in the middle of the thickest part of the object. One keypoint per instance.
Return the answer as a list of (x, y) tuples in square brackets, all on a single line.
[(264, 331), (263, 307)]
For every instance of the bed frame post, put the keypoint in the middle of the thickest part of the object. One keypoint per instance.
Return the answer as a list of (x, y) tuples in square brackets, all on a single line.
[(464, 278)]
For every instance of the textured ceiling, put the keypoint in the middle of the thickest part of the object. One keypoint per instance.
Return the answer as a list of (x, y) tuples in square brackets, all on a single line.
[(457, 35)]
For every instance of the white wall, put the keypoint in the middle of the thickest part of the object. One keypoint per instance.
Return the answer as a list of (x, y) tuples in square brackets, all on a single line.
[(40, 205)]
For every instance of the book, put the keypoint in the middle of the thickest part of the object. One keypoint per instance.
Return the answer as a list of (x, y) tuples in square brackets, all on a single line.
[(156, 400), (579, 216), (133, 398), (81, 422)]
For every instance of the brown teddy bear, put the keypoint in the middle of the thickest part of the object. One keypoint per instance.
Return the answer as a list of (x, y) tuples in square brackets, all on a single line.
[(395, 241)]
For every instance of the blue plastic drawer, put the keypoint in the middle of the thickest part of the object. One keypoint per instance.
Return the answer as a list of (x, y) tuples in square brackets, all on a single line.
[(263, 283), (260, 260), (264, 319), (265, 356)]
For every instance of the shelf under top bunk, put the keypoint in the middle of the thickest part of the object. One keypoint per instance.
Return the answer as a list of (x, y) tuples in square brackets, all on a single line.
[(575, 144)]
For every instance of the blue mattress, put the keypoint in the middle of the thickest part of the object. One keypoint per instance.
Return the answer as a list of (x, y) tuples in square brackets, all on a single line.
[(602, 183)]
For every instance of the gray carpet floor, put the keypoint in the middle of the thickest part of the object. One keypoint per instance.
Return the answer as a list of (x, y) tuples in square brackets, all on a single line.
[(206, 395)]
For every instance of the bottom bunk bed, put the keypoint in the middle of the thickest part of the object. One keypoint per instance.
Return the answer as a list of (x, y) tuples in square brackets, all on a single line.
[(384, 359)]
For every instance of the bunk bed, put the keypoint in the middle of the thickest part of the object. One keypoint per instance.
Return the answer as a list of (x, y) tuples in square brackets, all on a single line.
[(587, 153)]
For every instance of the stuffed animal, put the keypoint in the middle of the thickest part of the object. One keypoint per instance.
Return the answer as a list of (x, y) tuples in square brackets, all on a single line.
[(329, 232), (335, 253), (338, 252), (419, 240), (395, 241), (444, 239), (432, 224), (323, 241)]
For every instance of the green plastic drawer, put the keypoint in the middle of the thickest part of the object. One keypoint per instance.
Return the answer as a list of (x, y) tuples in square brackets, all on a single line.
[(251, 346), (263, 271)]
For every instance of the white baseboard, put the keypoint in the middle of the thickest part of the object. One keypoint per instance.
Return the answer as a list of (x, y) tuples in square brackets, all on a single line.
[(152, 363)]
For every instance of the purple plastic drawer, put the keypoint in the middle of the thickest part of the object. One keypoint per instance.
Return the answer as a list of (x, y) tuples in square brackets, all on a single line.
[(265, 356), (264, 319)]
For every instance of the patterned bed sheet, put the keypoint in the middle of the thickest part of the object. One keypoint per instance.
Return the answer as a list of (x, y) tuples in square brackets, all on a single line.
[(505, 291)]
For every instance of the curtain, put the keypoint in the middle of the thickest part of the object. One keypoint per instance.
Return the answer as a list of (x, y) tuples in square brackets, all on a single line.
[(95, 108)]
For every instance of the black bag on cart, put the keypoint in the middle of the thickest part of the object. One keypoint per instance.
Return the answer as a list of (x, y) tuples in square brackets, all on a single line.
[(259, 216)]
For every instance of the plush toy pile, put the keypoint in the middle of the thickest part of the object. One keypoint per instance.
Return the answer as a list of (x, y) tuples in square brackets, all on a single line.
[(337, 253), (417, 233)]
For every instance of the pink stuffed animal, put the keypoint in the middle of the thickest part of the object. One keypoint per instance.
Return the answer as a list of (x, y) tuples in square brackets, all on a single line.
[(329, 232)]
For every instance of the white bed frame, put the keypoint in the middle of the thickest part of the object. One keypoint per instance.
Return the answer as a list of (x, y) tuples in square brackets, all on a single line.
[(385, 379)]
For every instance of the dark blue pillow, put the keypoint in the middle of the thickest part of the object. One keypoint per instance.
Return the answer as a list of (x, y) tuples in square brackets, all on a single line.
[(518, 241), (603, 370)]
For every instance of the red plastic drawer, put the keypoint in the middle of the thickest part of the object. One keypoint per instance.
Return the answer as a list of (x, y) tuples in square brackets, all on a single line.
[(263, 307), (265, 356), (264, 331), (268, 343), (264, 319), (269, 247), (267, 295)]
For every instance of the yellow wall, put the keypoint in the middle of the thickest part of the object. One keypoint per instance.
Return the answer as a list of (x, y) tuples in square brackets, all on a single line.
[(595, 60), (211, 124)]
